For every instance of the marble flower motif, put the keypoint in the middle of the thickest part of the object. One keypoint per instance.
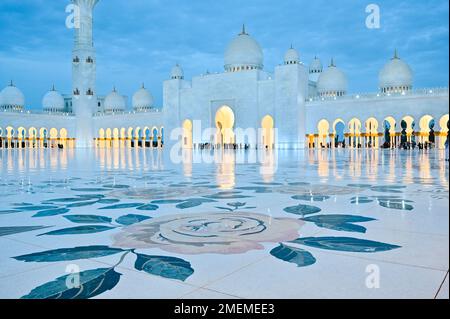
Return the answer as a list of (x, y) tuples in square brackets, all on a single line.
[(220, 233)]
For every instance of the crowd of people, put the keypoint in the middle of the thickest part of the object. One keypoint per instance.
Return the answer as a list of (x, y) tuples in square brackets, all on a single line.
[(227, 146)]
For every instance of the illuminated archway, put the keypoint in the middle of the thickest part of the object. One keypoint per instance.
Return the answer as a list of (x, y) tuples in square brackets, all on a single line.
[(426, 125), (443, 124), (161, 132), (32, 132), (63, 137), (53, 136), (115, 137), (354, 129), (155, 137), (147, 135), (389, 127), (339, 132), (53, 133), (32, 137), (225, 123), (138, 136), (21, 133), (130, 133), (138, 133), (10, 132), (116, 133), (43, 136), (323, 128), (371, 132), (123, 133), (101, 138), (63, 133), (21, 136), (187, 134), (108, 133), (409, 124), (268, 134)]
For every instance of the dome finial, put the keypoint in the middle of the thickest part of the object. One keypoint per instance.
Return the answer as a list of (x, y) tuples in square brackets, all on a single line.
[(11, 83), (114, 89), (332, 63), (143, 85), (53, 87), (292, 46), (396, 54), (243, 30)]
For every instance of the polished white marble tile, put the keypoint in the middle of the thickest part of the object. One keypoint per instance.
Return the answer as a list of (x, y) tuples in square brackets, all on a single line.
[(331, 277)]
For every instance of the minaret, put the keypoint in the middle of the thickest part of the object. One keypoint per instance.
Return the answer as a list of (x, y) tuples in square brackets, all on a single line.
[(84, 95)]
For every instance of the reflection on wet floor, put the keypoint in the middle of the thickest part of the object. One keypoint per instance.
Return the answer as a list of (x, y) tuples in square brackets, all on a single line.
[(222, 220), (336, 164)]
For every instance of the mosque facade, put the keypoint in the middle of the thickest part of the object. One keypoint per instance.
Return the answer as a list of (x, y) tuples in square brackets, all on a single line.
[(295, 106)]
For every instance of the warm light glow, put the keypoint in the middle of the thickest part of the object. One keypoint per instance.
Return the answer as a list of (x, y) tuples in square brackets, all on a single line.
[(324, 128), (410, 124), (225, 123), (424, 125), (187, 134), (444, 130), (267, 125)]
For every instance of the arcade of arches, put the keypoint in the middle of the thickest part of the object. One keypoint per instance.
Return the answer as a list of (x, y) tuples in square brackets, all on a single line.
[(391, 133), (148, 137), (32, 137), (42, 137), (356, 133)]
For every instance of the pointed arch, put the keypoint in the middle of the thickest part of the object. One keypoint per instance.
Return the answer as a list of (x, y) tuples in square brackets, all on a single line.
[(187, 134), (323, 128), (268, 133), (225, 121)]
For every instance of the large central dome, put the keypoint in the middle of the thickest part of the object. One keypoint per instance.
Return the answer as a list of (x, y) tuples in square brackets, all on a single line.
[(243, 53)]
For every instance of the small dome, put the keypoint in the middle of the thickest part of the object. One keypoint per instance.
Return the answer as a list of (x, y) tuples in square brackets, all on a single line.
[(243, 53), (292, 56), (315, 69), (395, 76), (114, 102), (316, 66), (142, 99), (12, 98), (332, 82), (177, 73), (53, 101)]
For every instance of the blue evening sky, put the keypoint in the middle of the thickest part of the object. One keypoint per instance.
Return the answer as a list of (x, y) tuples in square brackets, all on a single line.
[(140, 40)]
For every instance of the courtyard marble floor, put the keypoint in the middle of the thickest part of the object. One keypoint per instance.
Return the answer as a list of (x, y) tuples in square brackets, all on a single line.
[(129, 223)]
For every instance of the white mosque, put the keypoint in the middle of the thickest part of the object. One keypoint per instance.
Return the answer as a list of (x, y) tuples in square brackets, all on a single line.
[(295, 106)]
